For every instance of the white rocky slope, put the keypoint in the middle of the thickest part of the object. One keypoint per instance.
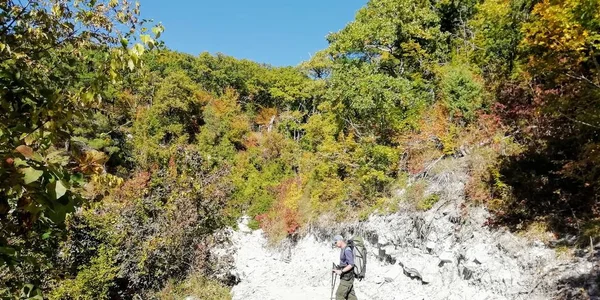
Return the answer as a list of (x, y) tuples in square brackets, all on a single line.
[(487, 271), (444, 253)]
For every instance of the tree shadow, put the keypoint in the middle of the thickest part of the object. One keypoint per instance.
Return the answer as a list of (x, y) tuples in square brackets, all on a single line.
[(556, 179), (585, 286), (535, 187)]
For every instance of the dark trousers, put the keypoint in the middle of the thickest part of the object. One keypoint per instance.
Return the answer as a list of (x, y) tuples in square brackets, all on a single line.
[(345, 290)]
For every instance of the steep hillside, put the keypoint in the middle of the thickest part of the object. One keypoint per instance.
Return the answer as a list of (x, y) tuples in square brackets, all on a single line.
[(469, 123), (446, 252)]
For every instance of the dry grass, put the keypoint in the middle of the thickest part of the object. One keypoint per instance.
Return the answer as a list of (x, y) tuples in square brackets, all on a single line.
[(537, 231), (482, 164), (590, 233)]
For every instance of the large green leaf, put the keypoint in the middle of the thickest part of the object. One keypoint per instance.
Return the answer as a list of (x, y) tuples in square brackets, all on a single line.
[(60, 189), (59, 210), (146, 39), (31, 175), (157, 30), (8, 250), (56, 189)]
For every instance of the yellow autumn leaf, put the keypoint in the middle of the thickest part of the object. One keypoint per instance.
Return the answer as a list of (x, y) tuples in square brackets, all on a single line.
[(92, 162)]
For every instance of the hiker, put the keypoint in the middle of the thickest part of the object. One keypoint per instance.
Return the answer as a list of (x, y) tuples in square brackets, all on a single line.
[(345, 270)]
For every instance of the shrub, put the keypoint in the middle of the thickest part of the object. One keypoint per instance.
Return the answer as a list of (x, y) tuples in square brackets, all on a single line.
[(195, 285), (154, 228), (461, 91), (482, 166), (428, 202), (382, 206), (93, 281), (171, 121), (416, 191), (283, 218), (318, 130)]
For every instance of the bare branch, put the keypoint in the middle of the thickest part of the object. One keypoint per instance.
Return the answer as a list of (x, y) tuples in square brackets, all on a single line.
[(583, 78), (385, 49), (581, 122), (354, 127)]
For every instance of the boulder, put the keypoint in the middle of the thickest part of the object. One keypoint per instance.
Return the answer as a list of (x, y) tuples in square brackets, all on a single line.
[(383, 240), (430, 273), (430, 246), (391, 250), (446, 257), (478, 254)]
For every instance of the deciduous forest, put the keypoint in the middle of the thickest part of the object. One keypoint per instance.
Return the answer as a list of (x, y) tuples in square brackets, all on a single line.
[(119, 158)]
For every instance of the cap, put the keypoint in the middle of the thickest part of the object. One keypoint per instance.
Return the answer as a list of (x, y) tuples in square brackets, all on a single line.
[(337, 238)]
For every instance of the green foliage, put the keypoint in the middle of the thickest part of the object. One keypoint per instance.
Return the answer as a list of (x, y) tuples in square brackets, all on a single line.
[(382, 206), (93, 281), (224, 127), (454, 17), (590, 233), (195, 286), (497, 34), (257, 171), (461, 92), (428, 202), (377, 168), (172, 120), (115, 173), (156, 226), (319, 131), (48, 50), (256, 84), (319, 66), (403, 36), (369, 102)]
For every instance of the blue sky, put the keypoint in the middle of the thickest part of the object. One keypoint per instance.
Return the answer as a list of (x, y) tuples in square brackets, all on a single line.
[(278, 32)]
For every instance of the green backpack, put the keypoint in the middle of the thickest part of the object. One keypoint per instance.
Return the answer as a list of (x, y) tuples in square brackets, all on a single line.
[(360, 256)]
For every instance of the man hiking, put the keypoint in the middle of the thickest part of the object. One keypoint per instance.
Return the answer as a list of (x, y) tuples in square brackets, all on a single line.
[(346, 288)]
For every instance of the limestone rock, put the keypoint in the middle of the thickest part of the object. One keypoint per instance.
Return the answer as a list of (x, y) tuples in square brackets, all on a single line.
[(430, 246), (243, 224), (430, 274), (446, 257), (478, 254), (391, 250)]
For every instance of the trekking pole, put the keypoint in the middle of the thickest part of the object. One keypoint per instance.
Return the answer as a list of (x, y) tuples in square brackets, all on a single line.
[(333, 279)]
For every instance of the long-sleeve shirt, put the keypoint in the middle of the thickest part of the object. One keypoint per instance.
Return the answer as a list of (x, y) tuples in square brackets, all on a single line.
[(346, 257)]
